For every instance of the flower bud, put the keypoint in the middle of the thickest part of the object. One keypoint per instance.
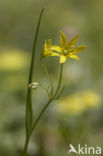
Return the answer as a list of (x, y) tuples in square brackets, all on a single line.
[(33, 85)]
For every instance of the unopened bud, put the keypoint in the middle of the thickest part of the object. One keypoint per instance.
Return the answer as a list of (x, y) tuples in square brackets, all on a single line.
[(33, 85)]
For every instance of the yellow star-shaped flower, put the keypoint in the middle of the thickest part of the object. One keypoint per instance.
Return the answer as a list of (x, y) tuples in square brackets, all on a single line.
[(65, 50)]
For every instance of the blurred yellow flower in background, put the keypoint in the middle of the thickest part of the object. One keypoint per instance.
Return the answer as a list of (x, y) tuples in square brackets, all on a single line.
[(79, 102), (13, 59)]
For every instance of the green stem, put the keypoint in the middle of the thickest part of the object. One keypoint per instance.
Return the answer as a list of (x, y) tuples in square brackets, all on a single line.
[(44, 89), (41, 113), (29, 103), (26, 146), (29, 110), (48, 103), (49, 78), (59, 83), (34, 126)]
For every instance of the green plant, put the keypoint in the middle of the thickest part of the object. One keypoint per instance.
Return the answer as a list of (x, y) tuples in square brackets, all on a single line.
[(65, 50)]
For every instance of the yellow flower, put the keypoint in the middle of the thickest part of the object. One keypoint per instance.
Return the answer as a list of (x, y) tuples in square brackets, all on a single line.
[(66, 49), (48, 49), (79, 102), (13, 59)]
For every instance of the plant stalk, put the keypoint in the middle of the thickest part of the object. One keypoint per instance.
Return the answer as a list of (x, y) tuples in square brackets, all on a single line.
[(43, 110), (29, 110), (60, 79)]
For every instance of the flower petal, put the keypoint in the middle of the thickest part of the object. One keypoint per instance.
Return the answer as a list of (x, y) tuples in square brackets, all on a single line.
[(72, 42), (78, 49), (47, 49), (55, 54), (73, 56), (63, 39), (49, 43), (63, 58), (56, 48)]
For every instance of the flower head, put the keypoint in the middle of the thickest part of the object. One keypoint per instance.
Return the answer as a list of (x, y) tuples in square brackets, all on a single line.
[(65, 50), (48, 49), (68, 49)]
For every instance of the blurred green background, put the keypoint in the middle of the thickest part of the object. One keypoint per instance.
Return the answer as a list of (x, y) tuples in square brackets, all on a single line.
[(77, 117)]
